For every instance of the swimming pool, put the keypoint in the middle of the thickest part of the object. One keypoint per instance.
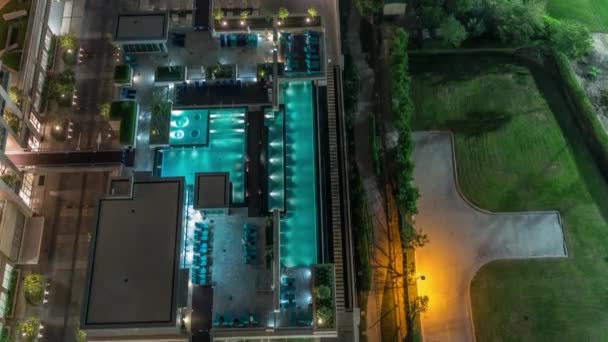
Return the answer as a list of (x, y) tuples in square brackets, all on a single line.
[(189, 127), (299, 225), (275, 121), (225, 152)]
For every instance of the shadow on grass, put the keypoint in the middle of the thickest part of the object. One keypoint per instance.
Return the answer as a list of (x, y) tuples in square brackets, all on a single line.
[(595, 182), (478, 123)]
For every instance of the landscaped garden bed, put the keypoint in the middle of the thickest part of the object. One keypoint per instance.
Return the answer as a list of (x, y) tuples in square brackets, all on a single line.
[(223, 71), (170, 74), (10, 294), (123, 75), (126, 113), (264, 70), (161, 119), (324, 300)]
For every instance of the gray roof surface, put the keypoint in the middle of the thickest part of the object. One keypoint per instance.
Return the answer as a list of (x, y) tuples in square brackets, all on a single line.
[(212, 190), (135, 252), (143, 26)]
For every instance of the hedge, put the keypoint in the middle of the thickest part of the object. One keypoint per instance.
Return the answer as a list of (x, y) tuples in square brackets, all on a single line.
[(123, 74), (126, 112), (10, 294), (585, 114), (170, 74)]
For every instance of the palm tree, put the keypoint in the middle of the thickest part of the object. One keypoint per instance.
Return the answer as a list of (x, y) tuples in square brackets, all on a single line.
[(313, 12), (218, 14), (283, 13)]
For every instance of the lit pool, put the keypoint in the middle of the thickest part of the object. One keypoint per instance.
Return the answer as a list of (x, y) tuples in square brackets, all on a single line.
[(189, 127), (225, 152), (276, 159), (299, 225)]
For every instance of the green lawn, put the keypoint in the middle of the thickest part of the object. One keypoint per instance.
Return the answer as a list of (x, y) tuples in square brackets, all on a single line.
[(518, 149), (593, 13)]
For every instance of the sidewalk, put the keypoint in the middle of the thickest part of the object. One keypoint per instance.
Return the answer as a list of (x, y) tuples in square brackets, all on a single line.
[(386, 256)]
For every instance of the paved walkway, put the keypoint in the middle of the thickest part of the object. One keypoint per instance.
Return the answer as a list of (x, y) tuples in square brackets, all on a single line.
[(464, 238)]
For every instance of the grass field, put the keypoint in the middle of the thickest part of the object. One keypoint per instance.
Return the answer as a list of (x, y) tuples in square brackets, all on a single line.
[(518, 149), (593, 13)]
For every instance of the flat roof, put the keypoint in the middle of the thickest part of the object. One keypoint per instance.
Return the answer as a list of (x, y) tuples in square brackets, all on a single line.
[(141, 26), (212, 190), (133, 270)]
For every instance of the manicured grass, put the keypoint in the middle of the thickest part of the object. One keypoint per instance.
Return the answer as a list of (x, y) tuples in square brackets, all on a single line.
[(126, 112), (593, 13), (518, 148)]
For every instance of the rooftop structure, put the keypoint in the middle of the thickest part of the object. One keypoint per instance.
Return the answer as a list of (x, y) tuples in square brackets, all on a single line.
[(142, 32), (134, 259), (212, 190)]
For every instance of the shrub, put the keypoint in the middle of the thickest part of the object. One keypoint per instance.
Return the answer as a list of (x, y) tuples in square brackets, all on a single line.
[(67, 42), (571, 38), (69, 57), (585, 114), (28, 329), (104, 110), (15, 94), (453, 31), (34, 288), (12, 121)]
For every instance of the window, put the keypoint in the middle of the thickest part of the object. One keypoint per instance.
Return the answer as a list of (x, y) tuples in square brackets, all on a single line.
[(7, 276)]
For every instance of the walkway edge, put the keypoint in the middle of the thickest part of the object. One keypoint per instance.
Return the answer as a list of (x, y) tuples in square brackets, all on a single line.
[(487, 212)]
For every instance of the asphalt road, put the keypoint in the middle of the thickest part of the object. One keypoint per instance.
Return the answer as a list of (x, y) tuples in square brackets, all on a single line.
[(463, 238)]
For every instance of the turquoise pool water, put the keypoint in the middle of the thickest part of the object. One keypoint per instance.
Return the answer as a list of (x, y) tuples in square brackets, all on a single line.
[(299, 225), (275, 122), (189, 127), (226, 151)]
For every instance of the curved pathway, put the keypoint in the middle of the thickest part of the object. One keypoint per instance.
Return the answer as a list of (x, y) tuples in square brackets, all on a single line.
[(463, 238)]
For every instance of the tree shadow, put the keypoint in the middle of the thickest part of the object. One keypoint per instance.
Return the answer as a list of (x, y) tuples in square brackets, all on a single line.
[(591, 174), (479, 122)]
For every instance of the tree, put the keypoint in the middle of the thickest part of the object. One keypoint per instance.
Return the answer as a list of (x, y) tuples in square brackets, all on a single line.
[(34, 288), (67, 42), (80, 335), (283, 13), (312, 11), (417, 306), (104, 110), (15, 95), (571, 38), (367, 8), (517, 21), (244, 15), (431, 13), (453, 31), (218, 14), (413, 238), (28, 329)]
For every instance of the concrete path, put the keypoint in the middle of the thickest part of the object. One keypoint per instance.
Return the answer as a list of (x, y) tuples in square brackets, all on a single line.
[(464, 238)]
